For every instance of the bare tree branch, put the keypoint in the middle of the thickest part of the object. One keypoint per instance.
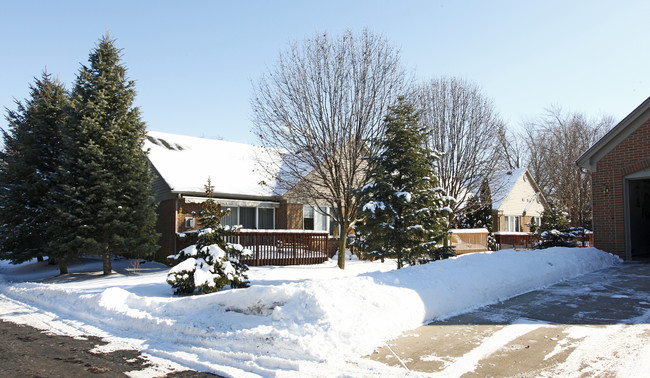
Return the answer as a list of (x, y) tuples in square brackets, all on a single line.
[(320, 110), (554, 141), (464, 127)]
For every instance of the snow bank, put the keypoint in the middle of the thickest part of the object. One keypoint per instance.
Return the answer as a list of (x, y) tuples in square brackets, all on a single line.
[(295, 326)]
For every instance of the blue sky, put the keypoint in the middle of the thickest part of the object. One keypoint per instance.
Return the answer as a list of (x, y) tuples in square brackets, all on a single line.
[(194, 61)]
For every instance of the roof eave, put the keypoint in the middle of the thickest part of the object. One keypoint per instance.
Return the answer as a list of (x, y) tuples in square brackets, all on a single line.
[(589, 159)]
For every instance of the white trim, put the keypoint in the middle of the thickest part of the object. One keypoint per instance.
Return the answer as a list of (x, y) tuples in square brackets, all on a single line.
[(234, 202), (644, 174), (469, 231)]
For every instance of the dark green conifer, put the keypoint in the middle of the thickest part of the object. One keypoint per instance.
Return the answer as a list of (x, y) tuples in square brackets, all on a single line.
[(212, 262), (104, 200), (32, 147), (405, 211)]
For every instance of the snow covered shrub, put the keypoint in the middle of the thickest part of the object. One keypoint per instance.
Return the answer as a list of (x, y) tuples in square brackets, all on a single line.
[(208, 269), (554, 230), (211, 263)]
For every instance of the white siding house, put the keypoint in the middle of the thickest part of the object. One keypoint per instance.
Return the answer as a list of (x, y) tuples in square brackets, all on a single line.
[(516, 201)]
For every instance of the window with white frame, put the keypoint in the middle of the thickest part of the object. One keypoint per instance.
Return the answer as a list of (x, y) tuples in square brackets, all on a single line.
[(316, 218), (307, 217), (250, 218), (512, 223), (232, 219), (536, 221)]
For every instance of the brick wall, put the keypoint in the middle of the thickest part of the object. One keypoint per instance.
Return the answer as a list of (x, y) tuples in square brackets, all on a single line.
[(630, 156), (288, 216), (188, 210)]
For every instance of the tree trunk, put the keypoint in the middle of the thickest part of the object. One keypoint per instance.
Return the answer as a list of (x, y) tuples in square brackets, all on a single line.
[(107, 262), (341, 261), (345, 228), (63, 265)]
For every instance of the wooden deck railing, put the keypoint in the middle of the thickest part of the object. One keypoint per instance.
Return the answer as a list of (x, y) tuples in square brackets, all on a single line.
[(279, 247)]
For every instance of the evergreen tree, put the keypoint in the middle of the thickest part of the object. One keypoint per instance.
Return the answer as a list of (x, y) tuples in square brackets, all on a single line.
[(406, 212), (103, 201), (32, 146), (554, 228), (481, 217), (211, 263)]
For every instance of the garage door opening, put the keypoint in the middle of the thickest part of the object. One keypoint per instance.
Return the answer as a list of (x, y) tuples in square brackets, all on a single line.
[(638, 207)]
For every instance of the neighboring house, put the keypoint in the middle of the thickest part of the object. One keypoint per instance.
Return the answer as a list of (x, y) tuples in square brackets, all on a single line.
[(182, 166), (620, 169), (517, 201)]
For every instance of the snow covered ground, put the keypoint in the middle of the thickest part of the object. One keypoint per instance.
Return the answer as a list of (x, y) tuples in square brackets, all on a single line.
[(303, 320)]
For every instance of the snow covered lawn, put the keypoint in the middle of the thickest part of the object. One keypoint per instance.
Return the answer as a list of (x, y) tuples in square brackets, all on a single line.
[(301, 320)]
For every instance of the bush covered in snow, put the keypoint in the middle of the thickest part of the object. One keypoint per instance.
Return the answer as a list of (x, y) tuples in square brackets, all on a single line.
[(554, 230), (211, 263), (208, 269)]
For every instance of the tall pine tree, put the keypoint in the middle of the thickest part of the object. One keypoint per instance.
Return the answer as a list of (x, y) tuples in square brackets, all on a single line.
[(104, 201), (406, 212), (32, 146)]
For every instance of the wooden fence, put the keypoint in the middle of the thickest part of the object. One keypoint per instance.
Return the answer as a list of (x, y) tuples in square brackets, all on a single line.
[(525, 240), (279, 247), (469, 240)]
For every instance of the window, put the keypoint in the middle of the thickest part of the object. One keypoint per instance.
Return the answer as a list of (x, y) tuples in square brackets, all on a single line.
[(321, 219), (512, 223), (231, 219), (250, 217), (265, 219), (308, 217), (333, 225), (537, 221), (247, 217)]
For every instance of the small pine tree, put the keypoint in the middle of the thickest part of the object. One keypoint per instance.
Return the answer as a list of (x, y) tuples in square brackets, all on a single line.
[(211, 263), (103, 202), (405, 210), (32, 147)]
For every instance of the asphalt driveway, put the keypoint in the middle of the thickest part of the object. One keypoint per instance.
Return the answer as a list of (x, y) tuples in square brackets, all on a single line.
[(588, 326)]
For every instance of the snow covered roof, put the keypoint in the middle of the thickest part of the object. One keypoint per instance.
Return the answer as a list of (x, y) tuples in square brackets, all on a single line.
[(186, 162), (502, 183)]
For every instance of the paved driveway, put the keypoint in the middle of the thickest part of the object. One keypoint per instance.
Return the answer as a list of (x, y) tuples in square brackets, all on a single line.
[(595, 325)]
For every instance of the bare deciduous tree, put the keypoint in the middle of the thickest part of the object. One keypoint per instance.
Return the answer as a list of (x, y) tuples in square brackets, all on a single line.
[(464, 127), (554, 141), (511, 149), (320, 110)]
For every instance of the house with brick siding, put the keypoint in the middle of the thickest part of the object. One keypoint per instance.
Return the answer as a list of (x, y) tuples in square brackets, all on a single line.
[(181, 166), (620, 170)]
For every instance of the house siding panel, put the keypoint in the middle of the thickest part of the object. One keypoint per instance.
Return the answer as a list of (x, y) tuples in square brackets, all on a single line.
[(166, 227), (630, 156)]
